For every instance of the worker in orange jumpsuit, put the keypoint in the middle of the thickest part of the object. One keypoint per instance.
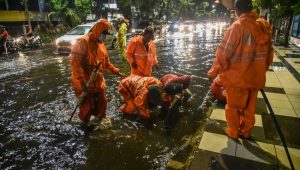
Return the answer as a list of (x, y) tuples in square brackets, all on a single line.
[(140, 93), (175, 94), (174, 84), (218, 90), (242, 59), (86, 54), (141, 53)]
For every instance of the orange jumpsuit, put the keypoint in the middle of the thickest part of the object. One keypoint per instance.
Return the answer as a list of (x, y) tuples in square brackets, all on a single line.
[(218, 90), (173, 78), (242, 59), (86, 53), (137, 53), (134, 90)]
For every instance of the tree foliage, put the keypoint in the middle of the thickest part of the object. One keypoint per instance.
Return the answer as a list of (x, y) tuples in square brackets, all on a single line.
[(69, 12), (279, 8), (282, 12), (173, 9)]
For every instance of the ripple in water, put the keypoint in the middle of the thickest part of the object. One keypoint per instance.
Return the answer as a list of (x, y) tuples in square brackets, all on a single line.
[(35, 97)]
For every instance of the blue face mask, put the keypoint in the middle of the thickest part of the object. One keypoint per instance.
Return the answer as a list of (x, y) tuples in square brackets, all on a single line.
[(102, 37)]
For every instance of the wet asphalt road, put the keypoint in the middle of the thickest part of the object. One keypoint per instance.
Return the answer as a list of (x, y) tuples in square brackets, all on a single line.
[(35, 98)]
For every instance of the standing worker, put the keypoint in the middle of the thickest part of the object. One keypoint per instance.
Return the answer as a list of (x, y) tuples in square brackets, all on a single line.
[(242, 59), (141, 53), (3, 38), (87, 53), (121, 41)]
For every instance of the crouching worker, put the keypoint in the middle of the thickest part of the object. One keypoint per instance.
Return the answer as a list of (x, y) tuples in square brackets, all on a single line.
[(176, 93), (175, 85), (89, 59), (218, 90), (140, 94)]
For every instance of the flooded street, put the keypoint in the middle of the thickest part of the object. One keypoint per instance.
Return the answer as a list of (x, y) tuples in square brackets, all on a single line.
[(36, 96)]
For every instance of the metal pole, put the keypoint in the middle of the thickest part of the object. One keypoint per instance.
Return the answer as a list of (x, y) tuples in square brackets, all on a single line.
[(278, 128), (27, 17), (6, 5), (74, 111)]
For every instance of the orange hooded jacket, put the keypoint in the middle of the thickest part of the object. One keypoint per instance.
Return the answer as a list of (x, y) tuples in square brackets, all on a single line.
[(134, 90), (86, 53), (137, 53), (173, 78), (244, 54)]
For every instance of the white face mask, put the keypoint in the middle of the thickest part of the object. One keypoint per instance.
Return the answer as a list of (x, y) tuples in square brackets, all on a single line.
[(102, 37)]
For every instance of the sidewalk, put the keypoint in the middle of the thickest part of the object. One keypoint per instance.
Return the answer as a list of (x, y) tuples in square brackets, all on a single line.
[(217, 151)]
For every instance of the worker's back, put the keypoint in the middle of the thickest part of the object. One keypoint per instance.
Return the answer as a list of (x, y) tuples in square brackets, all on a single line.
[(246, 52)]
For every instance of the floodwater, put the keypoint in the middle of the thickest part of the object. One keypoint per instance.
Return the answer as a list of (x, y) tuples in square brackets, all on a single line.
[(35, 98)]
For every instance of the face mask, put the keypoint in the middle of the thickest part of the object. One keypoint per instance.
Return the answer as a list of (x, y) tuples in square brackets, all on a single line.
[(102, 37)]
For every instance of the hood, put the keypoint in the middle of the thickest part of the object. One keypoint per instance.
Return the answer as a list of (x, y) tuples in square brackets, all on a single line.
[(186, 81), (100, 26), (258, 27)]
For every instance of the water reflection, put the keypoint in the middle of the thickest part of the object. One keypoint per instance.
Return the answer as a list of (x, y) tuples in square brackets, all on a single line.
[(35, 97), (22, 59)]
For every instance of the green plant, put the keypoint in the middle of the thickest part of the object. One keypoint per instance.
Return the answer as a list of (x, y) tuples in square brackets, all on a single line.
[(173, 9), (69, 12)]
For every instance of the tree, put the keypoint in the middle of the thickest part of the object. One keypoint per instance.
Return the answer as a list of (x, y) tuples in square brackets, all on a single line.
[(138, 3), (83, 7), (98, 8), (280, 9), (125, 6), (264, 4), (283, 10), (145, 6), (173, 9), (25, 3), (69, 12)]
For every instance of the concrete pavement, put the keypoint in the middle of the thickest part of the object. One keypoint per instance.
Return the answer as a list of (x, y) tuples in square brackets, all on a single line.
[(265, 151)]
